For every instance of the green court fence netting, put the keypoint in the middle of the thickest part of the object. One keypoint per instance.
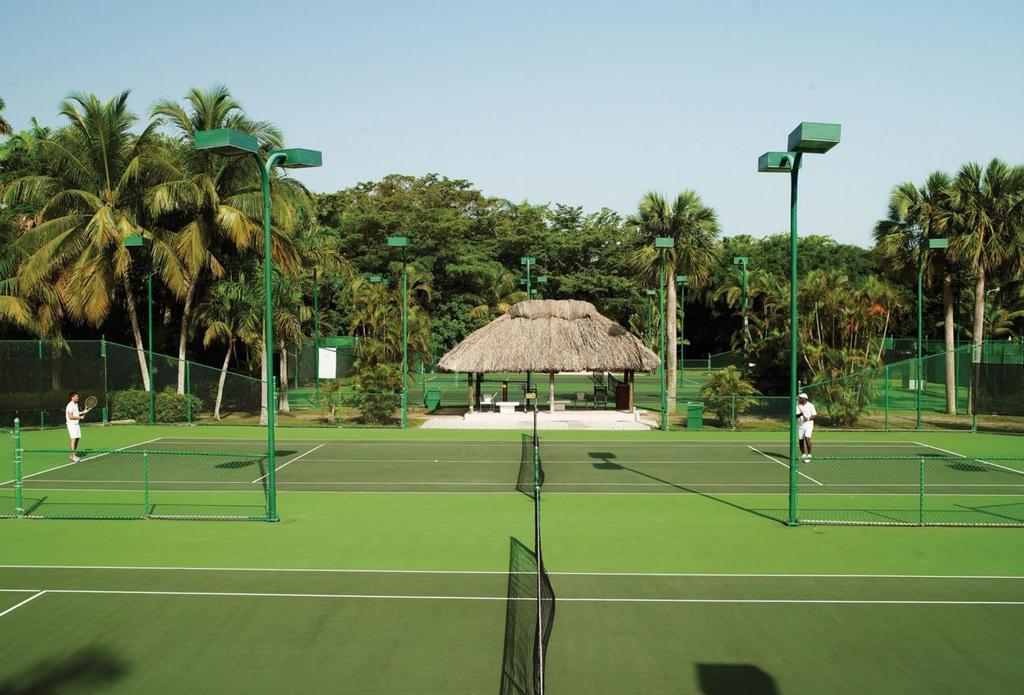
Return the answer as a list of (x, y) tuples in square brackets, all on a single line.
[(135, 483), (928, 490), (37, 375)]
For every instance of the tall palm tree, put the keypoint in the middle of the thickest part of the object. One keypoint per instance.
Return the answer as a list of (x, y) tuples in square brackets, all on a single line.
[(89, 201), (5, 127), (231, 316), (916, 215), (694, 229), (988, 219), (214, 203)]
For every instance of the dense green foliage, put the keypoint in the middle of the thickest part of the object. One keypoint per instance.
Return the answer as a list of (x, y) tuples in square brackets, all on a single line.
[(73, 192)]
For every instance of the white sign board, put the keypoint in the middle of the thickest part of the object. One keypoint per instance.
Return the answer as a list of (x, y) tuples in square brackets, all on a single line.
[(327, 361)]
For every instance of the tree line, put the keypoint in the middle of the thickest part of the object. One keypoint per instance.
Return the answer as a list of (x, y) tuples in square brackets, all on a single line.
[(72, 193)]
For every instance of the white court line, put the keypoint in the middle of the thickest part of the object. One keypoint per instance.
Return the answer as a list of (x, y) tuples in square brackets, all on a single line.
[(333, 570), (548, 443), (289, 461), (16, 606), (579, 599), (87, 458), (968, 458), (783, 463)]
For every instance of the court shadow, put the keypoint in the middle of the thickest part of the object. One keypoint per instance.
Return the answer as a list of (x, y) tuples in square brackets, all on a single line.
[(33, 505), (241, 463), (606, 462), (969, 468), (733, 679), (92, 668)]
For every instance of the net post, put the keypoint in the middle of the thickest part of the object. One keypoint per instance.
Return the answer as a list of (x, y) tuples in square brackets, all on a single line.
[(19, 509), (920, 503), (145, 484)]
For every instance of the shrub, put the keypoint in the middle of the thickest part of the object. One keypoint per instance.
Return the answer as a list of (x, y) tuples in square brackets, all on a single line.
[(168, 405), (378, 392), (331, 398), (728, 395)]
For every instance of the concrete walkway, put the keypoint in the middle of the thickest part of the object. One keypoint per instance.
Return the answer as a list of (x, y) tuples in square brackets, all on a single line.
[(559, 420)]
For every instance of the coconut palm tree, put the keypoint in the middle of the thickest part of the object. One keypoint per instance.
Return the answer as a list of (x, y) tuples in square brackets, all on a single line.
[(5, 127), (231, 316), (214, 203), (89, 201), (499, 294), (694, 229), (988, 221), (916, 215)]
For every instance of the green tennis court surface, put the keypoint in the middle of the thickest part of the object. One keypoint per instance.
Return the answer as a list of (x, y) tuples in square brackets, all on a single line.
[(388, 571)]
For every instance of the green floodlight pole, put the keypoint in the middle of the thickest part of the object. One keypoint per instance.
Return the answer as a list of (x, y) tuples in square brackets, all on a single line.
[(742, 261), (529, 262), (663, 244), (138, 241), (231, 142), (682, 280), (932, 244), (816, 138), (316, 335), (403, 243)]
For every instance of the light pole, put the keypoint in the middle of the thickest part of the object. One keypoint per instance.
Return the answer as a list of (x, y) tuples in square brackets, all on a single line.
[(932, 244), (137, 241), (988, 312), (742, 261), (815, 138), (403, 243), (316, 334), (231, 142), (682, 280), (529, 262), (663, 244)]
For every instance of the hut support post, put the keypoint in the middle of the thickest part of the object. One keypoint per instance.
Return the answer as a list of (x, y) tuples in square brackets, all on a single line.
[(479, 386), (631, 380), (551, 392), (469, 390)]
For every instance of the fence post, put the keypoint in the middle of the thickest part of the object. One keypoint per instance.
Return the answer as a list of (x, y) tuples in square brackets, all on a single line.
[(42, 406), (920, 503), (19, 509), (106, 400), (145, 484), (733, 398), (188, 390), (886, 387)]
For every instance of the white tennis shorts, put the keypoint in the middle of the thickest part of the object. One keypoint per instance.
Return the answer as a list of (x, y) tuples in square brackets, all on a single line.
[(74, 430), (806, 428)]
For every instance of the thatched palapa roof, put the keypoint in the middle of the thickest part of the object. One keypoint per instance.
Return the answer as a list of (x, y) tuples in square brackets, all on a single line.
[(545, 335)]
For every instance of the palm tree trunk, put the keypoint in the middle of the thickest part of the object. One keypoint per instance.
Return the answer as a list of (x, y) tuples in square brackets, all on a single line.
[(220, 381), (978, 332), (186, 316), (947, 304), (672, 328), (282, 405), (133, 317)]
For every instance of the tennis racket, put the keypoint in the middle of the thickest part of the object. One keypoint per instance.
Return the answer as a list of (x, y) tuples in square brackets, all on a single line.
[(90, 403)]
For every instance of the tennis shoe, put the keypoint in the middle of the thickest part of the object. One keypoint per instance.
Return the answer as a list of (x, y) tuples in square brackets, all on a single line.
[(75, 459)]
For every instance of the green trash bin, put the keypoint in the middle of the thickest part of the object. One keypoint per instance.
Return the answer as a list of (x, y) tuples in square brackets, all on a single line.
[(432, 399), (694, 416)]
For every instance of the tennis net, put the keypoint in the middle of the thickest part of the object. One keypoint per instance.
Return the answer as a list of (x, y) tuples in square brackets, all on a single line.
[(137, 484)]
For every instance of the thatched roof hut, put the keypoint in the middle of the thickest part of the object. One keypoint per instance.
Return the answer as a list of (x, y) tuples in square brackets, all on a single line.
[(547, 335)]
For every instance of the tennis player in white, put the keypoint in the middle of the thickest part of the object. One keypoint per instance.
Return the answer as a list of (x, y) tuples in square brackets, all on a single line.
[(73, 418), (805, 415)]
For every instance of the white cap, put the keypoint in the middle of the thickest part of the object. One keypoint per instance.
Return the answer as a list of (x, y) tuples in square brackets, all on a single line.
[(802, 395)]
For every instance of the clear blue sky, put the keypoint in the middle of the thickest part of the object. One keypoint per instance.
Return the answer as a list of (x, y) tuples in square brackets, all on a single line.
[(586, 104)]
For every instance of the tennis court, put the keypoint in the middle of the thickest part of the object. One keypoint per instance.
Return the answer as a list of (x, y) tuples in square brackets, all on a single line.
[(857, 479), (389, 570)]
